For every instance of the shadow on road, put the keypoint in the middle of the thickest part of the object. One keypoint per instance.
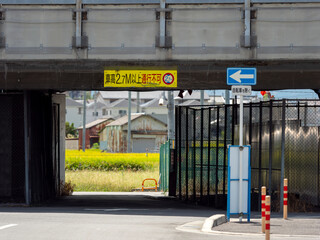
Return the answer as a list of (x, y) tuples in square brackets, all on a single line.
[(117, 203)]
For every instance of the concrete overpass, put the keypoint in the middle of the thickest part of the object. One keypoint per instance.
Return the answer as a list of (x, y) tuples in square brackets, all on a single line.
[(47, 46), (66, 44)]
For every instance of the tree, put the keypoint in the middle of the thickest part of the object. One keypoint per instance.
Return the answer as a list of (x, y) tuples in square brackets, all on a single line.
[(71, 131)]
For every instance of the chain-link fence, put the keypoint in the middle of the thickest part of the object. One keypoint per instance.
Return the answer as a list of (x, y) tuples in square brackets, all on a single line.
[(204, 132)]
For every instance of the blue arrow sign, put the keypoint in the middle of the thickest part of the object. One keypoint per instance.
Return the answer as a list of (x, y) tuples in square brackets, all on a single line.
[(241, 76)]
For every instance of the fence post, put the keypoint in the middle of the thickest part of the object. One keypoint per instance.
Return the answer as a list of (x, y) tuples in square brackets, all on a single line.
[(263, 209), (283, 139), (217, 156), (260, 145), (225, 149), (285, 198), (180, 158), (201, 155), (187, 154), (270, 146), (209, 146), (267, 235), (194, 156)]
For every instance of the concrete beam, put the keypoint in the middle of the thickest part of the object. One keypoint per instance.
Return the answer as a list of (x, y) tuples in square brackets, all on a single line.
[(62, 75)]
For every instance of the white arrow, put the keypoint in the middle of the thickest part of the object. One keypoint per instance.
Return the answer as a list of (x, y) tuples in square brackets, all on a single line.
[(237, 76)]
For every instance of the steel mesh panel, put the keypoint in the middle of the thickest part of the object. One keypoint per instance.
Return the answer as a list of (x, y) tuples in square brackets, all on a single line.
[(183, 153), (301, 159), (210, 131), (205, 158), (190, 132), (197, 152)]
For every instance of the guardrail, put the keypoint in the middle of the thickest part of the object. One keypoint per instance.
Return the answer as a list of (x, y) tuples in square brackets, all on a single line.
[(119, 2)]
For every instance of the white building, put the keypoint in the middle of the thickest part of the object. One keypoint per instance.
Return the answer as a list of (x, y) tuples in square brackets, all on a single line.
[(119, 108), (153, 107), (108, 97), (96, 110), (74, 112)]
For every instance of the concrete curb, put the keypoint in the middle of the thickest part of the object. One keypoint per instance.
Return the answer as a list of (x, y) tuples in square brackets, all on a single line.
[(213, 221)]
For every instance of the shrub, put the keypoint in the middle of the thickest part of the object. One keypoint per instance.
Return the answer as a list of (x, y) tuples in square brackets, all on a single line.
[(95, 146), (66, 188)]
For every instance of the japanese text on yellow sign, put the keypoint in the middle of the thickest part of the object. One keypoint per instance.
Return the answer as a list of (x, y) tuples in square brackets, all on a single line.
[(140, 78)]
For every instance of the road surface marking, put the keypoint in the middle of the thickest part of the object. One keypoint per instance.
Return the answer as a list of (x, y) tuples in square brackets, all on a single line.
[(7, 226), (115, 209)]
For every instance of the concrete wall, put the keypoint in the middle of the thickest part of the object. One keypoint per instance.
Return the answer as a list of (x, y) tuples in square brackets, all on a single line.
[(72, 143), (61, 100), (124, 32)]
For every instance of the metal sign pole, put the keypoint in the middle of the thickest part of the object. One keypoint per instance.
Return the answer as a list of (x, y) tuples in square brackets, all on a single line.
[(240, 157), (240, 80)]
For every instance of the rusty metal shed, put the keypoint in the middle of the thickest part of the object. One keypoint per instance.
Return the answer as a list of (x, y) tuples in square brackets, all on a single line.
[(147, 134)]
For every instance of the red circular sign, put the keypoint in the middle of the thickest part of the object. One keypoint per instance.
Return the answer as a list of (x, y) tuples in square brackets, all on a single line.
[(168, 78)]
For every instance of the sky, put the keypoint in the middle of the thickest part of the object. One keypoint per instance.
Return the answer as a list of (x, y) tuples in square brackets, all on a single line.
[(280, 94)]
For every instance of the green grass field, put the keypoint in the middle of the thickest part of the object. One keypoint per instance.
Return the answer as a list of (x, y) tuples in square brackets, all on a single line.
[(110, 172)]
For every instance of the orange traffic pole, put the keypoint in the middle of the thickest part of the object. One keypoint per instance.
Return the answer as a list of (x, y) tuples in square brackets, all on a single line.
[(263, 208), (285, 198), (267, 218)]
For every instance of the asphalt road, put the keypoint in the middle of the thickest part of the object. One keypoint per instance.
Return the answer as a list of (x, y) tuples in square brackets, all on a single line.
[(123, 216), (112, 216)]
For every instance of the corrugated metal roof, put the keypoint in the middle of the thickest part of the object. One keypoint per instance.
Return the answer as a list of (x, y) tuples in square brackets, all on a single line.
[(161, 117), (96, 122), (124, 120), (190, 103), (217, 100)]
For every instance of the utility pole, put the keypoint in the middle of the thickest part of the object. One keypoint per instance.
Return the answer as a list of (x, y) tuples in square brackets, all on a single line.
[(201, 97), (129, 123), (138, 102), (227, 97), (95, 105), (84, 122)]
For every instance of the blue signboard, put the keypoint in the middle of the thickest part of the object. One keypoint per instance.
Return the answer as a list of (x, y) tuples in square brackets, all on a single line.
[(241, 76)]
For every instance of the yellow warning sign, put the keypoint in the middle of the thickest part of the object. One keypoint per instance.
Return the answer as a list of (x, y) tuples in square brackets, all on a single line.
[(140, 78)]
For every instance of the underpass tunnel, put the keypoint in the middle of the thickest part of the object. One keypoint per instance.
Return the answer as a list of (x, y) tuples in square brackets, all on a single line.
[(32, 152)]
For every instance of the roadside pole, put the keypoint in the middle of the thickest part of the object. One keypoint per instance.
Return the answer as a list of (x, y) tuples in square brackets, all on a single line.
[(129, 124), (201, 97), (240, 80), (84, 121), (240, 157)]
